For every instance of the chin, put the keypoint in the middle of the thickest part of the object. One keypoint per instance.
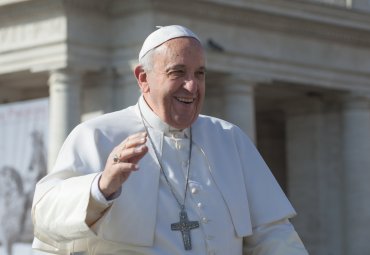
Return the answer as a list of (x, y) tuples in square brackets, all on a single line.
[(184, 124)]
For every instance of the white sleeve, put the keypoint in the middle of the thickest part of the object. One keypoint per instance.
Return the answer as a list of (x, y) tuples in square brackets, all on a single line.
[(276, 238), (98, 196), (98, 203)]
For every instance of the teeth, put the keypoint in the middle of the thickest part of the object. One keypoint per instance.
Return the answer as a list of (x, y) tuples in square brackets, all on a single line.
[(185, 100)]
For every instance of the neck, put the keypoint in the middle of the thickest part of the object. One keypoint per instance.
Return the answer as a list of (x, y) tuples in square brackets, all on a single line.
[(152, 120)]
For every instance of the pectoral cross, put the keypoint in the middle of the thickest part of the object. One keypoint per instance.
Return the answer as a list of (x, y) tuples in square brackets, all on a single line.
[(184, 225), (177, 142)]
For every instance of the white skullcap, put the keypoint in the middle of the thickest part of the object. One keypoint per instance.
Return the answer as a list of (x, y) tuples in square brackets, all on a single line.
[(162, 35)]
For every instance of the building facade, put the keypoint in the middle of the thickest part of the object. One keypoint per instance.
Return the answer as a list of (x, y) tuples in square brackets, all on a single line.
[(294, 74)]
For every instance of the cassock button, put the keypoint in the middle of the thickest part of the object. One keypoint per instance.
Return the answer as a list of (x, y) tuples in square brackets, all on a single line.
[(205, 220), (199, 205), (194, 190)]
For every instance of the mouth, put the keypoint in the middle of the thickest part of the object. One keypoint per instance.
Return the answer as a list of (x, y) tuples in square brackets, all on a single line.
[(185, 100)]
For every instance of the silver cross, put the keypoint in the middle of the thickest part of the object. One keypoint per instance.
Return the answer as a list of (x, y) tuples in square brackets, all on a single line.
[(184, 225)]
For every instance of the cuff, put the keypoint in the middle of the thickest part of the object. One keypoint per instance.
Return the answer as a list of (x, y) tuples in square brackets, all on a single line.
[(98, 196)]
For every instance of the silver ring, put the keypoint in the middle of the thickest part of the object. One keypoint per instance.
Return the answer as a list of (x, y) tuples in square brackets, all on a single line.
[(115, 158)]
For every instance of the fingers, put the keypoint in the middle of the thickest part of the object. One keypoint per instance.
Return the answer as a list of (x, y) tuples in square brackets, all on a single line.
[(133, 146), (122, 161), (134, 140), (127, 155)]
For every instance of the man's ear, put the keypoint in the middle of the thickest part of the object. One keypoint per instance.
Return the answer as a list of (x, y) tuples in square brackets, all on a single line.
[(141, 77)]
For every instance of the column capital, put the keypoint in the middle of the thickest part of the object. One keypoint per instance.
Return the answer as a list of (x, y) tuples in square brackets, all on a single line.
[(356, 100), (239, 105), (65, 75), (238, 84)]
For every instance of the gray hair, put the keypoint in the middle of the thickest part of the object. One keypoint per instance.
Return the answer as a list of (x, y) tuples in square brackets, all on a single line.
[(147, 60)]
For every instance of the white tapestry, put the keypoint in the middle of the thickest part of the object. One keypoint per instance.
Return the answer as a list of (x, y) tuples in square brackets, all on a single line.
[(23, 161)]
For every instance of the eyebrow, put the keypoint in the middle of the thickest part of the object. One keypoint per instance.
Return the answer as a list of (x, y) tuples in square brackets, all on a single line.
[(170, 68), (174, 67)]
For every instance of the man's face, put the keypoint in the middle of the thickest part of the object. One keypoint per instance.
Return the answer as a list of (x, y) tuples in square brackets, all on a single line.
[(176, 83)]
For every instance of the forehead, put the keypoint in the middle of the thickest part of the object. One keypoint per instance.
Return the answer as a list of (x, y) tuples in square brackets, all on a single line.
[(183, 50)]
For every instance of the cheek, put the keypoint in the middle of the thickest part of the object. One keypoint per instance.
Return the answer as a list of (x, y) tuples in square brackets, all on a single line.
[(202, 90)]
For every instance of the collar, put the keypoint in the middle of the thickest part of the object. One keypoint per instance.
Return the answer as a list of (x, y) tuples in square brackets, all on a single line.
[(152, 120)]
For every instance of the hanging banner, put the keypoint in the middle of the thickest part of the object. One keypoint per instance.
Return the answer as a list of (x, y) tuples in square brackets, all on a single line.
[(23, 154)]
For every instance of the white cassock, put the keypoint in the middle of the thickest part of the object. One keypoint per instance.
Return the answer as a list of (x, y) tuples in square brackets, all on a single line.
[(232, 193)]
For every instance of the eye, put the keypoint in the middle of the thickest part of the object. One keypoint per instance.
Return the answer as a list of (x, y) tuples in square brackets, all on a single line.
[(176, 73)]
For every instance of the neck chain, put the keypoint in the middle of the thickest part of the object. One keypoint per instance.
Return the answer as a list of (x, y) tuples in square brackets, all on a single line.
[(184, 225)]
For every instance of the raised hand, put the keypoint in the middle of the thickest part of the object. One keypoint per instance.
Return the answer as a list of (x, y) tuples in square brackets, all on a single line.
[(121, 162)]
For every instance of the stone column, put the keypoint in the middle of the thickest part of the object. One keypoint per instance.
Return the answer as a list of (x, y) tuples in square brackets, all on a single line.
[(65, 112), (213, 102), (315, 181), (126, 89), (356, 157), (239, 105)]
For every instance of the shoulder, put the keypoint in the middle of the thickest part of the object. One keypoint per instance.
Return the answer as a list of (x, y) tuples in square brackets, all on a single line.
[(114, 125), (205, 122), (221, 131), (112, 119)]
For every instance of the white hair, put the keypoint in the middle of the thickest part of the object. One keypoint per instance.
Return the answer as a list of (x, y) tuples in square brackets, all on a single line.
[(147, 61)]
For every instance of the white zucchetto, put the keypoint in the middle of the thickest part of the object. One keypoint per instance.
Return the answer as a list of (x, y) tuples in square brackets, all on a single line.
[(162, 35)]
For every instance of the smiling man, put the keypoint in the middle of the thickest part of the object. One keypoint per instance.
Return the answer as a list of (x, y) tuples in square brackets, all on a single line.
[(159, 178), (174, 85)]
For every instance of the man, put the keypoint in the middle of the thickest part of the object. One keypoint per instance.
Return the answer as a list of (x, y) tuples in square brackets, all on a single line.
[(158, 178)]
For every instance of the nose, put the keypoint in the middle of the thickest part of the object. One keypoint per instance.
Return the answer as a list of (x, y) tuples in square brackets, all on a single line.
[(191, 85)]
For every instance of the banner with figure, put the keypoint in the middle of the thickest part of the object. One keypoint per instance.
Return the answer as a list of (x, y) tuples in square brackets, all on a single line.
[(23, 154)]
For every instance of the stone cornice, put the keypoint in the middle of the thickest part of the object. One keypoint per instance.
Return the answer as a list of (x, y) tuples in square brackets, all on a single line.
[(289, 72), (300, 17), (303, 9), (297, 17)]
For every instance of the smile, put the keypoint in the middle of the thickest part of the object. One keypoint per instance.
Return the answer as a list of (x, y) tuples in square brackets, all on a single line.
[(185, 100)]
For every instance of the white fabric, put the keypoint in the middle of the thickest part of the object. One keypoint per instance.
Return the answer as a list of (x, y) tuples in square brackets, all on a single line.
[(204, 201), (98, 196), (162, 35), (248, 190), (274, 238)]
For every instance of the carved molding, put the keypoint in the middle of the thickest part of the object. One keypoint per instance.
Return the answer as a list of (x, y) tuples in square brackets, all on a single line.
[(294, 73), (295, 17), (299, 17), (31, 34)]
